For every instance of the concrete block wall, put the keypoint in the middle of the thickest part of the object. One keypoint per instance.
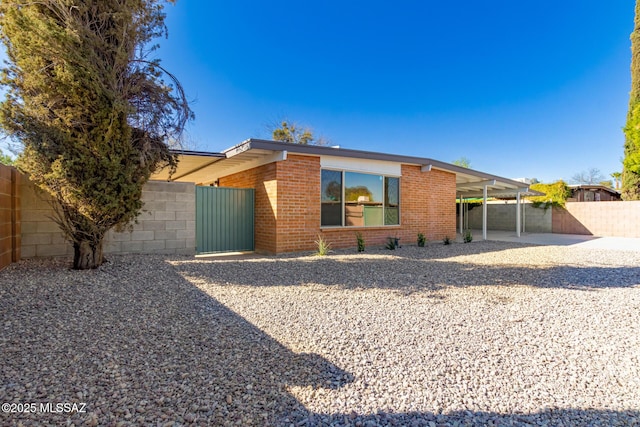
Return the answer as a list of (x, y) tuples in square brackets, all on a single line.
[(10, 215), (166, 224), (605, 219), (501, 216)]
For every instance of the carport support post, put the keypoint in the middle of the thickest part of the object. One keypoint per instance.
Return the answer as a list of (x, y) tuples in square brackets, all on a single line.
[(484, 213), (518, 213), (461, 213)]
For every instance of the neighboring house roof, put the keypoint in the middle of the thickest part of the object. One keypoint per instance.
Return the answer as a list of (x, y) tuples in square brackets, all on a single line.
[(594, 187), (206, 168)]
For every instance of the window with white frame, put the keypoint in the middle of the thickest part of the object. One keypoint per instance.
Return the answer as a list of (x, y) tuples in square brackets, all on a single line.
[(355, 199)]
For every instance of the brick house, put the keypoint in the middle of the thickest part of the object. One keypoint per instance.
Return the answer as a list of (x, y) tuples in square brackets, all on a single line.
[(303, 191)]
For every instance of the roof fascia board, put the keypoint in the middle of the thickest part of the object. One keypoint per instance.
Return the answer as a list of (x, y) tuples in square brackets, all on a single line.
[(345, 152), (197, 153)]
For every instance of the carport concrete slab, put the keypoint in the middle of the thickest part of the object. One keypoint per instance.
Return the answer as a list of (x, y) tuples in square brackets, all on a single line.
[(551, 239)]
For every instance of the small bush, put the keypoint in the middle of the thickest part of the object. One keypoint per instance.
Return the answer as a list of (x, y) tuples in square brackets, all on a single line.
[(446, 240), (360, 240), (468, 237), (421, 240), (324, 247), (391, 243)]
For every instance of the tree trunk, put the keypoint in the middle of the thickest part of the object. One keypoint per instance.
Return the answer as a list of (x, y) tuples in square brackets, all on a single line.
[(87, 255)]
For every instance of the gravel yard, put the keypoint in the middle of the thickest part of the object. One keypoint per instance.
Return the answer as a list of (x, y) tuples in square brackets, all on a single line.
[(487, 333)]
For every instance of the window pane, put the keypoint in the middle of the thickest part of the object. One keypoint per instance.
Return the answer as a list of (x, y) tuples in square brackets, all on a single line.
[(331, 207), (391, 201), (363, 199)]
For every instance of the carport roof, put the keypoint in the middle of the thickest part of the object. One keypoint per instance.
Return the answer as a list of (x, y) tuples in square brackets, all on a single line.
[(203, 167)]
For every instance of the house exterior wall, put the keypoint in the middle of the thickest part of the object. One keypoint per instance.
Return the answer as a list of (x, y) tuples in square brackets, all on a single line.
[(610, 219), (10, 215), (288, 207), (298, 222), (166, 225)]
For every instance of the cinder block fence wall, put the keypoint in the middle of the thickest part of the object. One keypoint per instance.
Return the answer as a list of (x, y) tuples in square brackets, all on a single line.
[(502, 216), (166, 225), (9, 215), (613, 219)]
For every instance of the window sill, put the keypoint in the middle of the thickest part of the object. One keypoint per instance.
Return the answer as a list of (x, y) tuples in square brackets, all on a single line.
[(355, 227)]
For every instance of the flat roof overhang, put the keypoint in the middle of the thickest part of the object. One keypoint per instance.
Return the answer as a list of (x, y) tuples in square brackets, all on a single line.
[(193, 166), (206, 168)]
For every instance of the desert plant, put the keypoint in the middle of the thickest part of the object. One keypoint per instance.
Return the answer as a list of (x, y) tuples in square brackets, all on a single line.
[(391, 243), (446, 240), (360, 240), (324, 247), (421, 240), (468, 237)]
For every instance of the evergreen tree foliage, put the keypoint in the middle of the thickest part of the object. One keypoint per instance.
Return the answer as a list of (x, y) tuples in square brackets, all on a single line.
[(631, 161), (92, 112)]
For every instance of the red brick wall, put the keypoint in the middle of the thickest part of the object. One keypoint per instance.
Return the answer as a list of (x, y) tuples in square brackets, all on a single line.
[(611, 219), (288, 214), (263, 180), (10, 216), (427, 205), (298, 203)]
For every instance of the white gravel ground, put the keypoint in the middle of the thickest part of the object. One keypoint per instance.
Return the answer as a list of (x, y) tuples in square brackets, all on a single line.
[(487, 333)]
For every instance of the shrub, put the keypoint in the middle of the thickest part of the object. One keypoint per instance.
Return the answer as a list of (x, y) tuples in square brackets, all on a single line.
[(468, 237), (446, 240), (360, 240), (392, 243), (421, 240)]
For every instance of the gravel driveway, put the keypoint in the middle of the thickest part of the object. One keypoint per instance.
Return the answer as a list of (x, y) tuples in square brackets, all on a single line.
[(487, 333)]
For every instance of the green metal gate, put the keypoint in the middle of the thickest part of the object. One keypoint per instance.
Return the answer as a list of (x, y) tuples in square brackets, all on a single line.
[(224, 219)]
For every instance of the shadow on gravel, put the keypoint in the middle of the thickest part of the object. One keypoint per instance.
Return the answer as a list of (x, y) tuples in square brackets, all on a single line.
[(551, 417), (141, 346), (404, 274)]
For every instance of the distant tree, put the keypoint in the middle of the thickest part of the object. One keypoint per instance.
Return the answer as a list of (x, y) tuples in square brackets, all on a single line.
[(631, 161), (535, 181), (294, 133), (617, 176), (92, 112), (333, 191), (351, 194), (607, 183), (591, 176), (462, 162), (5, 159), (556, 193)]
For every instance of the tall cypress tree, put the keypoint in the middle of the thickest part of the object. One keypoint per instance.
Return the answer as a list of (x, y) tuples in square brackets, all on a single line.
[(91, 111), (631, 162)]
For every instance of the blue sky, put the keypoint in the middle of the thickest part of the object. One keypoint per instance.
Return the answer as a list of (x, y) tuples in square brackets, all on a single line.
[(522, 89)]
